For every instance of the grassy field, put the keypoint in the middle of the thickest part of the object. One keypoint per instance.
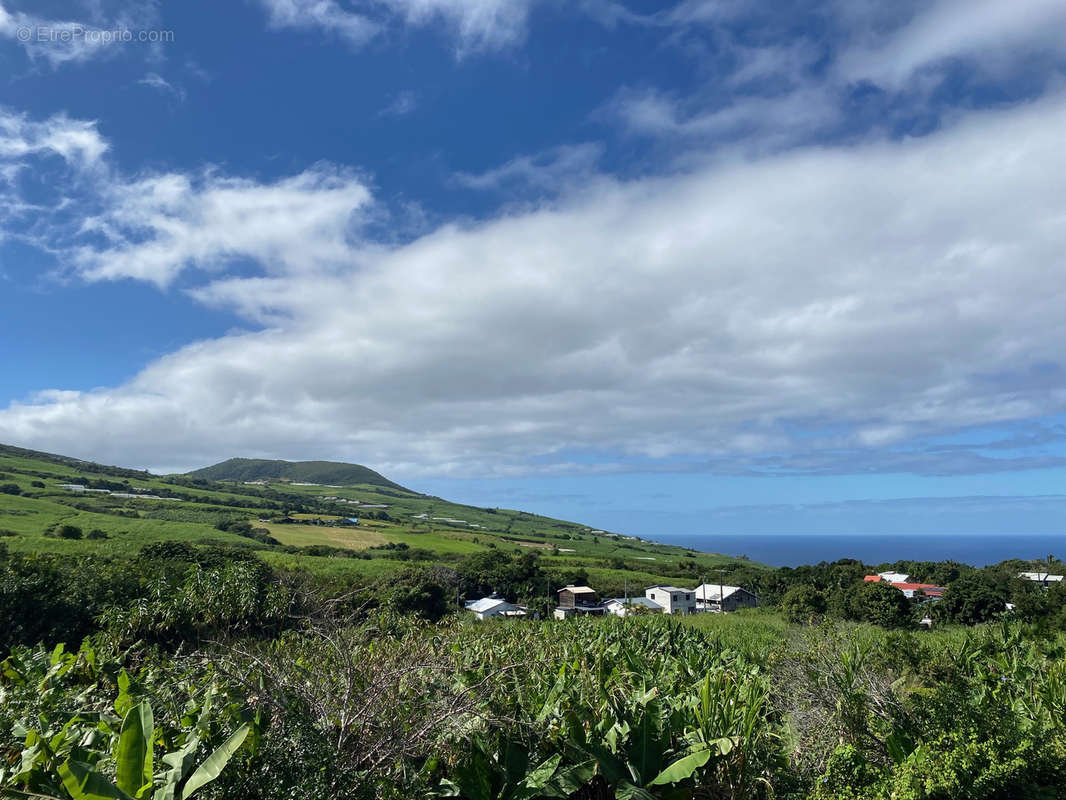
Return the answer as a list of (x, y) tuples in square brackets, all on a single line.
[(297, 516)]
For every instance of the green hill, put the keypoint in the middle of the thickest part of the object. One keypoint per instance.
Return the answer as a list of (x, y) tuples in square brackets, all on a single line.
[(323, 472), (301, 517)]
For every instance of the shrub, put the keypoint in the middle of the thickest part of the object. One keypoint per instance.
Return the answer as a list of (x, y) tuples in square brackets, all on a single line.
[(803, 603), (96, 533), (10, 488), (879, 604), (68, 532)]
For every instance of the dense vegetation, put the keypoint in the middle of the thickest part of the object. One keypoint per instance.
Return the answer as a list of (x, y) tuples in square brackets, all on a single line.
[(192, 648), (220, 677)]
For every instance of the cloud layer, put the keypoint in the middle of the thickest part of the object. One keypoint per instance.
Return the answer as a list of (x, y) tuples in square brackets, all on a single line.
[(476, 24), (837, 305)]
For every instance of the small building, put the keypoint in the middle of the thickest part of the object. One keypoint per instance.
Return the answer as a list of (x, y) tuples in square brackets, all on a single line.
[(575, 600), (720, 597), (920, 591), (672, 599), (888, 577), (1045, 579), (578, 597), (623, 607), (494, 606), (894, 577)]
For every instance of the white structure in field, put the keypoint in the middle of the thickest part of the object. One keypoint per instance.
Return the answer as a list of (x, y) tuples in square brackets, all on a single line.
[(494, 607), (621, 607), (1045, 579), (672, 599), (718, 597), (894, 577)]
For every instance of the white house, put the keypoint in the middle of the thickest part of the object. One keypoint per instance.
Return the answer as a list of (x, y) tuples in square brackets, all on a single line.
[(894, 577), (494, 607), (672, 599), (1043, 578), (718, 597), (621, 607)]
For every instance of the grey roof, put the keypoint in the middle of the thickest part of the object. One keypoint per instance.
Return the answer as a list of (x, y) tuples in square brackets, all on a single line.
[(485, 604), (1040, 576), (669, 588), (635, 601), (709, 591)]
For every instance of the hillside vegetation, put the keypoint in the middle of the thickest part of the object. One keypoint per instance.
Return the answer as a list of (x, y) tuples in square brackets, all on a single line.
[(307, 526)]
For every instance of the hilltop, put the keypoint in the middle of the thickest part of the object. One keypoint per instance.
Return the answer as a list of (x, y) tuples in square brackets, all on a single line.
[(321, 472)]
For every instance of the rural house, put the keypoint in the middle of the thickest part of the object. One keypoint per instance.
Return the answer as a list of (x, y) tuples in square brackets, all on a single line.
[(494, 606), (623, 607), (578, 597), (1045, 579), (717, 597), (672, 599), (578, 600), (912, 591)]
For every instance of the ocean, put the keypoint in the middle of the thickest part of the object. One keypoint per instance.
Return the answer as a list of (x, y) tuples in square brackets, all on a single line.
[(796, 549)]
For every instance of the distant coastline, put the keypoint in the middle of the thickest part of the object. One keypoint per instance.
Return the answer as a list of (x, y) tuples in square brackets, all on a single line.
[(791, 550)]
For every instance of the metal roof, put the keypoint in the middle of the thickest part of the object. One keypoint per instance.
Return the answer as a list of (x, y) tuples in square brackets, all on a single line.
[(485, 604), (635, 601), (709, 591)]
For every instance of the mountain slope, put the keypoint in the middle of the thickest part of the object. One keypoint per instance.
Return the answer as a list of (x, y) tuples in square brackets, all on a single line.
[(324, 472)]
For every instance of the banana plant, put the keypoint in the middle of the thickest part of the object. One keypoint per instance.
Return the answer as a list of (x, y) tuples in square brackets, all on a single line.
[(72, 759)]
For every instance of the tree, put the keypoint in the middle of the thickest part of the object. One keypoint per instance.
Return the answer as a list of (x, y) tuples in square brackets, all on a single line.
[(802, 603), (879, 604), (972, 599), (416, 593)]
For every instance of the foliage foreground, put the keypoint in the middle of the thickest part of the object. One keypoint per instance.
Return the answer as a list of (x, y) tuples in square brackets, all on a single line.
[(370, 704)]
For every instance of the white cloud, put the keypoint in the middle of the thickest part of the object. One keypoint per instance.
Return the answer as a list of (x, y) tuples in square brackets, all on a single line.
[(76, 141), (477, 24), (327, 15), (720, 315), (157, 226), (991, 33), (401, 105), (553, 170), (72, 41), (756, 122), (156, 81)]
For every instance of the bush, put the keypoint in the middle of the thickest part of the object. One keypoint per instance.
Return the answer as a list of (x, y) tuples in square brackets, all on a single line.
[(803, 603), (879, 604), (10, 488), (68, 532), (96, 533)]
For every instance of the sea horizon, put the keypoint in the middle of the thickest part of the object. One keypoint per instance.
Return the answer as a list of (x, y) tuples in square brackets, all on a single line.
[(796, 549)]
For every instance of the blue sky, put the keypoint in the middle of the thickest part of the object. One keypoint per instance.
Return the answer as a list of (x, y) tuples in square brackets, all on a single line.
[(691, 266)]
